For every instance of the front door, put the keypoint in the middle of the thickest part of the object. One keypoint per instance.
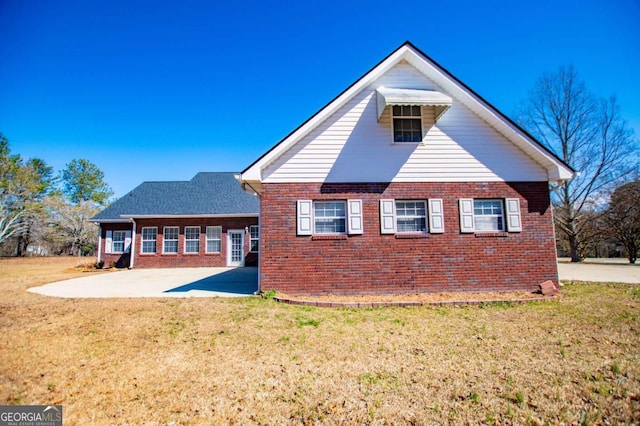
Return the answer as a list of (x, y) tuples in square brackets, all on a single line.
[(235, 248)]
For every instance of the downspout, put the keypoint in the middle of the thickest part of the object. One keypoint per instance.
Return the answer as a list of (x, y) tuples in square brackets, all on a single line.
[(99, 243), (257, 194), (133, 243), (259, 251)]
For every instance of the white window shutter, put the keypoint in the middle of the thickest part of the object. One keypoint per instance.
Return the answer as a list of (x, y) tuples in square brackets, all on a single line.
[(514, 220), (127, 241), (107, 242), (387, 216), (304, 220), (354, 212), (466, 215), (436, 216)]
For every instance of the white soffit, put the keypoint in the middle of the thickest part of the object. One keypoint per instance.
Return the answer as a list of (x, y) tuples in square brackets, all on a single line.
[(390, 96)]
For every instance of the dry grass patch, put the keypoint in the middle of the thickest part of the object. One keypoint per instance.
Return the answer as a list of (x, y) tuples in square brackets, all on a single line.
[(254, 361), (422, 298)]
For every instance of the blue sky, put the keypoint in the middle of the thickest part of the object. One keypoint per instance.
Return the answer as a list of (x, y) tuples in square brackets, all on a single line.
[(156, 90)]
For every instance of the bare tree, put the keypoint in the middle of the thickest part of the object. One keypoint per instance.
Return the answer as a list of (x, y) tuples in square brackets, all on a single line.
[(588, 133), (71, 224), (11, 224), (622, 218)]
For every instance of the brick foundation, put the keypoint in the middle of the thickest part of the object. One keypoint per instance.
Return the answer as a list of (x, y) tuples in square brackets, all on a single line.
[(180, 259), (374, 264)]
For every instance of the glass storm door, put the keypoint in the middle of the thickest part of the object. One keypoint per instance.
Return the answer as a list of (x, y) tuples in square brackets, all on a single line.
[(235, 248)]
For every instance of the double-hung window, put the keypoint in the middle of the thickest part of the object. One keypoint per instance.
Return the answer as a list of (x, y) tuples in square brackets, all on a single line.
[(407, 123), (490, 215), (191, 239), (330, 217), (149, 235), (254, 234), (411, 216), (214, 239), (117, 245), (170, 239)]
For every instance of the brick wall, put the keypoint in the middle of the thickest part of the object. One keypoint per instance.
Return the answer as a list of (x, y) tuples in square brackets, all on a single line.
[(182, 259), (373, 263), (120, 260)]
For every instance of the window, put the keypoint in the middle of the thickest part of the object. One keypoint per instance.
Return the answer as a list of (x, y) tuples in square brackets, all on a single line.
[(407, 123), (214, 239), (484, 215), (117, 245), (254, 234), (488, 215), (149, 236), (192, 239), (170, 239), (411, 216), (329, 217)]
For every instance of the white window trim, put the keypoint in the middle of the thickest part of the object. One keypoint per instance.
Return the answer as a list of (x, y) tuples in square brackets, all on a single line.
[(124, 242), (143, 240), (426, 223), (434, 216), (252, 239), (164, 239), (345, 218), (207, 239), (500, 201), (191, 239), (412, 117), (511, 215), (306, 220)]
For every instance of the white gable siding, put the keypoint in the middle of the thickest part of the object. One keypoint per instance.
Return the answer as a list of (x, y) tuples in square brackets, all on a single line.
[(353, 146)]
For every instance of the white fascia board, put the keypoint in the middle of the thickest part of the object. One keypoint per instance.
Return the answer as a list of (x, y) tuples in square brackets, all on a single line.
[(109, 220), (255, 172), (555, 169), (187, 216)]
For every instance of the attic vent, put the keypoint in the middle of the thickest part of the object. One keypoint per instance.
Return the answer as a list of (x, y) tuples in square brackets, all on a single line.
[(412, 97)]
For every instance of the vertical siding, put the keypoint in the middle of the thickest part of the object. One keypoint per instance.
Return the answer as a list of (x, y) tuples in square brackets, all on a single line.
[(353, 146)]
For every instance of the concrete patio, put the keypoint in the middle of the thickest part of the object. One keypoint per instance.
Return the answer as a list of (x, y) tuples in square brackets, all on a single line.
[(175, 282)]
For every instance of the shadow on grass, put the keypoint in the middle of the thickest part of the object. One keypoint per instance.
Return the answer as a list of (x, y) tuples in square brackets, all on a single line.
[(238, 281)]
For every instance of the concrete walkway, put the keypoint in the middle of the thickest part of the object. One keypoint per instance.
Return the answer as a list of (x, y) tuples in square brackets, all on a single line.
[(599, 270), (175, 282)]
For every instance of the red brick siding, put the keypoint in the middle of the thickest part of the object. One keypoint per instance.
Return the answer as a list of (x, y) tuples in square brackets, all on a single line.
[(373, 263), (121, 260), (180, 259)]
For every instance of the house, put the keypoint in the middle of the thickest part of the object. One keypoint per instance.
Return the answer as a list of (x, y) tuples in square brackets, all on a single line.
[(408, 181), (207, 221)]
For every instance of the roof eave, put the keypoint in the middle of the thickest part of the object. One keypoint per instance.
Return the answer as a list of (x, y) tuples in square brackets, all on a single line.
[(187, 216), (94, 220)]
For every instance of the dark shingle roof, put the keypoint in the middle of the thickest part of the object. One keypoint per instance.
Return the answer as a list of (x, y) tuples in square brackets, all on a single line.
[(216, 193)]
